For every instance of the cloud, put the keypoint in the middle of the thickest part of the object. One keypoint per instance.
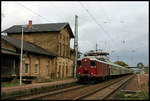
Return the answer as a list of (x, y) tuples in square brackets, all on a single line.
[(114, 22)]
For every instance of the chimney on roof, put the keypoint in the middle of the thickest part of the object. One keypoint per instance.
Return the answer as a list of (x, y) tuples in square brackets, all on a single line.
[(30, 24)]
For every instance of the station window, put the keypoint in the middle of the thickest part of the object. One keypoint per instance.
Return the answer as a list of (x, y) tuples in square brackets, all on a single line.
[(36, 68), (78, 63), (26, 68), (60, 36), (47, 69), (60, 49), (66, 70), (93, 63), (63, 50)]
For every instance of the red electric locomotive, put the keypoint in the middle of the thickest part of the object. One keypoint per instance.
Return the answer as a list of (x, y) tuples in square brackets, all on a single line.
[(92, 69)]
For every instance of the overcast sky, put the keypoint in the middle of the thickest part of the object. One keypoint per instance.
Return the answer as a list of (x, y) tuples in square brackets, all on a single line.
[(121, 28)]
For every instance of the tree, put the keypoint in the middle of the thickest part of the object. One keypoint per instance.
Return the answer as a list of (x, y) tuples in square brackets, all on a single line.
[(140, 65), (121, 63)]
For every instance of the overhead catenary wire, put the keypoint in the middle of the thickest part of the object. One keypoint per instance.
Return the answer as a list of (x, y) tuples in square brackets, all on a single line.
[(33, 11), (44, 18), (99, 25), (82, 6), (123, 41)]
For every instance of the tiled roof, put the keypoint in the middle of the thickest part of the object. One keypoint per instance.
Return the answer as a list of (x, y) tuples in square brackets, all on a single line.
[(36, 28), (27, 46)]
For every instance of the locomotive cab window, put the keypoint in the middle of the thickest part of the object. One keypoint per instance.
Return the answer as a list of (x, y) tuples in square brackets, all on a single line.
[(85, 63), (78, 63), (93, 63)]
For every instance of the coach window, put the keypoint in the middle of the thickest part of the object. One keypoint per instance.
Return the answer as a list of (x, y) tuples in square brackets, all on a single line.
[(93, 63), (78, 63)]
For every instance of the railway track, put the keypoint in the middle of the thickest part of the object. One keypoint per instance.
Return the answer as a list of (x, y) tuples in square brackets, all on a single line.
[(83, 92), (52, 93), (80, 92), (104, 92)]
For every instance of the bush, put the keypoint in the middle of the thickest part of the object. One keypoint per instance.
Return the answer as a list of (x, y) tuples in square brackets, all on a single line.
[(14, 82), (41, 80)]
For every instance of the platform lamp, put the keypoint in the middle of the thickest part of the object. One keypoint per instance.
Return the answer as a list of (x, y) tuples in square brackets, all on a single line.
[(21, 56), (29, 27)]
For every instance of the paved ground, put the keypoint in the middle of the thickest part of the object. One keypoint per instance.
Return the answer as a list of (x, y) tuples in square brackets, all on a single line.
[(36, 85), (137, 83), (143, 80)]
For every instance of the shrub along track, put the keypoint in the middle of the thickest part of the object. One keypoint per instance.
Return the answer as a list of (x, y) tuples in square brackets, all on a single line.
[(83, 91)]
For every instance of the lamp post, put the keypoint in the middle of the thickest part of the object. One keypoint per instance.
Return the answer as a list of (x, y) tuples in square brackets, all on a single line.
[(21, 56), (29, 27)]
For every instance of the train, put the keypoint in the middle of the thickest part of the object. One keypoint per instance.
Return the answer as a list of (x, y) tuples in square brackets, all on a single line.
[(93, 69)]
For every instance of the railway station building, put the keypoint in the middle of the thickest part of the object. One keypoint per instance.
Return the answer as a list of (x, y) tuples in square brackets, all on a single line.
[(46, 52)]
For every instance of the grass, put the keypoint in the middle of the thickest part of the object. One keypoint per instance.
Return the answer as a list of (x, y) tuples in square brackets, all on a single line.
[(146, 92), (14, 82), (62, 79), (51, 80)]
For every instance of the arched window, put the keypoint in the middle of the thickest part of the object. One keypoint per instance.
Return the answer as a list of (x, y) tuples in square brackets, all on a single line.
[(26, 68), (63, 50), (36, 68), (47, 70)]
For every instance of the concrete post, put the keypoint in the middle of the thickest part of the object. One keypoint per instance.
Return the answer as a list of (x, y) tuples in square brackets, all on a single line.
[(76, 44)]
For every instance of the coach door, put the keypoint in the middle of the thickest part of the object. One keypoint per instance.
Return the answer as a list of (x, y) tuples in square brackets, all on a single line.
[(101, 69), (98, 68)]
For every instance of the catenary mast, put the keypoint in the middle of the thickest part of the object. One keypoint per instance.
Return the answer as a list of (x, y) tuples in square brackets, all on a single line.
[(76, 44)]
